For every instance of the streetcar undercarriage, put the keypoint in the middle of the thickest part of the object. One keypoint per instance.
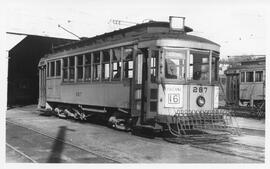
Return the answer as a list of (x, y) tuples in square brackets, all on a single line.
[(185, 123)]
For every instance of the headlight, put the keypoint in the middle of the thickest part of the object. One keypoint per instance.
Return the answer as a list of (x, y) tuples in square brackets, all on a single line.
[(200, 101)]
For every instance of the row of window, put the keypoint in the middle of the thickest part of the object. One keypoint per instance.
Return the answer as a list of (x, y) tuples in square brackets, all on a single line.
[(249, 76), (94, 66), (198, 65)]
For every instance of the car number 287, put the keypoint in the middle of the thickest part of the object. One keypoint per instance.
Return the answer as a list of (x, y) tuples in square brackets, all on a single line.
[(199, 89)]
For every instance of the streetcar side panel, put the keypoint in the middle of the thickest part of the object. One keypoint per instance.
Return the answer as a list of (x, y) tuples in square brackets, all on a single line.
[(251, 91), (97, 94)]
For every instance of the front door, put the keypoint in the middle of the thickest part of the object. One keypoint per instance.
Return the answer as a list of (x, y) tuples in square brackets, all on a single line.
[(145, 88)]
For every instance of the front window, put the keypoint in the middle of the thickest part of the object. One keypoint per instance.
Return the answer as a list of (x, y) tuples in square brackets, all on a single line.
[(175, 64), (199, 65)]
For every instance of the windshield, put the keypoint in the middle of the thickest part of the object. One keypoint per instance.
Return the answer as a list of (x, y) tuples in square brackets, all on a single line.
[(199, 66), (175, 64)]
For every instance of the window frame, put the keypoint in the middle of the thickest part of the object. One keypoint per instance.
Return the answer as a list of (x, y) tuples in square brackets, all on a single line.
[(255, 78), (103, 65), (58, 69), (182, 66), (209, 64), (85, 65), (252, 72), (79, 66), (118, 64), (65, 68), (98, 68), (242, 77), (70, 68), (126, 62)]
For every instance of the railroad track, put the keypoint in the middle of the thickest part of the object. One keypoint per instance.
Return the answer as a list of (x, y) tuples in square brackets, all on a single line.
[(38, 147), (222, 144)]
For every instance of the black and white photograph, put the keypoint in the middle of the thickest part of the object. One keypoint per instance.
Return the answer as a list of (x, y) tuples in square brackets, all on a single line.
[(134, 82)]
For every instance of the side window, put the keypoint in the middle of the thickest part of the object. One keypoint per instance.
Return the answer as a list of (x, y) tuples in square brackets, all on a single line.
[(58, 68), (243, 76), (249, 76), (106, 65), (52, 66), (65, 69), (71, 68), (87, 67), (128, 62), (48, 69), (154, 62), (96, 66), (258, 76), (116, 64), (80, 67)]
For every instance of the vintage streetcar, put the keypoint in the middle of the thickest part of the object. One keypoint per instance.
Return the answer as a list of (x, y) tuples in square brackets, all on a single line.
[(152, 75)]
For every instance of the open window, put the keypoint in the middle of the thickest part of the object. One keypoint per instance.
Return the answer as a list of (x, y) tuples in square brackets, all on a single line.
[(128, 62), (87, 66), (80, 67), (65, 69), (153, 65), (71, 68), (52, 66), (116, 64), (58, 68), (96, 66), (258, 76), (105, 65), (249, 76), (243, 76)]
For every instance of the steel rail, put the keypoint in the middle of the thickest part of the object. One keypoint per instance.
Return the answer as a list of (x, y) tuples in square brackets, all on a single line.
[(21, 153)]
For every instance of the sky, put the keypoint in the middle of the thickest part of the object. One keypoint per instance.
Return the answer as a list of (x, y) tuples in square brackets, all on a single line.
[(238, 26)]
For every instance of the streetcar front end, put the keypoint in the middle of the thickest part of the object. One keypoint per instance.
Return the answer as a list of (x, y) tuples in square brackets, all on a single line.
[(188, 89)]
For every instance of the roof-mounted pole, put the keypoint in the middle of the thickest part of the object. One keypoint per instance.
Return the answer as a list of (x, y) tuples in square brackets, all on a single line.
[(68, 31)]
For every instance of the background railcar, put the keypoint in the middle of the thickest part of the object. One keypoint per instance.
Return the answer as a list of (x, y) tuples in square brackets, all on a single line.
[(246, 83), (147, 75)]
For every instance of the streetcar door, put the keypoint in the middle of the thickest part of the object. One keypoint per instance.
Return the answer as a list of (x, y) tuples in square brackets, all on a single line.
[(42, 87), (144, 103)]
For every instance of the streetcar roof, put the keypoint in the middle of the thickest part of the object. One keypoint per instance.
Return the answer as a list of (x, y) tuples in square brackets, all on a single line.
[(142, 31)]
